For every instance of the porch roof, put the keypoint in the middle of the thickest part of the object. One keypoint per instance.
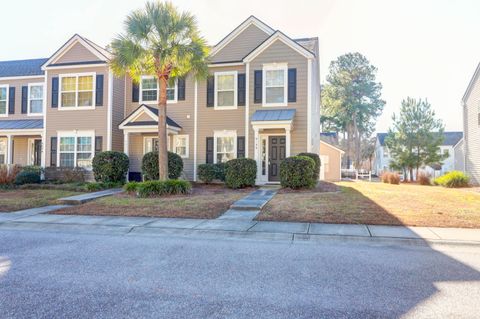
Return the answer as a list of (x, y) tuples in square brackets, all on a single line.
[(128, 120), (273, 115), (21, 124)]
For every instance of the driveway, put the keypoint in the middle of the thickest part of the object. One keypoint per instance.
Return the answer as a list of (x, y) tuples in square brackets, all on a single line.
[(62, 275)]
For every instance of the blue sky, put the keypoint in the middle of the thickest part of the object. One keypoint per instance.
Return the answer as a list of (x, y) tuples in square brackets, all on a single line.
[(422, 48)]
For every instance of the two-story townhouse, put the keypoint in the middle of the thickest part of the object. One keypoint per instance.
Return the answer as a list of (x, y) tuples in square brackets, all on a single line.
[(261, 101), (471, 127), (452, 144)]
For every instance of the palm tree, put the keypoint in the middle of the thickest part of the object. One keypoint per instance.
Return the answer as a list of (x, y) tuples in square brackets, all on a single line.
[(163, 42)]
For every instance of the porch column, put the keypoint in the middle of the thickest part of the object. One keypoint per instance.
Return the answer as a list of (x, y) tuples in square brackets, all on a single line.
[(255, 153), (9, 149), (287, 141), (126, 142), (42, 156)]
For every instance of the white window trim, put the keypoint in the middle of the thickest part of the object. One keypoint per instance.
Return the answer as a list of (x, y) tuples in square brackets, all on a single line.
[(145, 138), (76, 107), (7, 87), (225, 133), (274, 67), (29, 100), (75, 134), (187, 149), (140, 98), (235, 91)]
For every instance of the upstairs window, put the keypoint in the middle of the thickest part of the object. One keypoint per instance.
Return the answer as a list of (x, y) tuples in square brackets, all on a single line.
[(3, 100), (35, 98), (275, 84), (149, 90), (226, 90), (77, 90)]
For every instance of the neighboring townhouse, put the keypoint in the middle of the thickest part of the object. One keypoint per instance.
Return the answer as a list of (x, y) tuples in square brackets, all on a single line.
[(452, 143), (261, 101), (471, 127)]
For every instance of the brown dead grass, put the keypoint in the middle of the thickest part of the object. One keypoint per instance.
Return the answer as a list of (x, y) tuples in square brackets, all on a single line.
[(18, 199), (379, 204), (205, 201)]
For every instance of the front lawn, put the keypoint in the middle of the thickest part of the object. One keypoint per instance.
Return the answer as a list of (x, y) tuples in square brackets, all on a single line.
[(18, 199), (205, 201), (378, 204)]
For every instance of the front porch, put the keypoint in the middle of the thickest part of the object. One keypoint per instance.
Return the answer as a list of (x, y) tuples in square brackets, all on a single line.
[(21, 142)]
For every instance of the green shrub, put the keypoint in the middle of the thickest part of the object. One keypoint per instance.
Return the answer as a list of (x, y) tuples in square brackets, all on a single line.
[(98, 186), (33, 168), (453, 179), (316, 159), (131, 187), (207, 173), (240, 172), (297, 172), (150, 166), (27, 177), (220, 171), (110, 166), (160, 188)]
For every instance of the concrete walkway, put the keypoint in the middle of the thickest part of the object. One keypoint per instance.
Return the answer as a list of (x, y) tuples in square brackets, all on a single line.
[(234, 228), (87, 197)]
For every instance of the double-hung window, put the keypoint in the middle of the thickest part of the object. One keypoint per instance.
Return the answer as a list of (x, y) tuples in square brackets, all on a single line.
[(77, 90), (35, 98), (226, 90), (225, 146), (3, 100), (76, 150), (181, 145), (275, 88), (151, 144), (149, 90)]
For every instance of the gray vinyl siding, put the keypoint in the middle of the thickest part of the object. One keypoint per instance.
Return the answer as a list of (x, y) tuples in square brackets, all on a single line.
[(240, 46), (472, 133)]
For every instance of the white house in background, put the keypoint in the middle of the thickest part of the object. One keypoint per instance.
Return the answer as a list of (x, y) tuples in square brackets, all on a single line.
[(453, 144)]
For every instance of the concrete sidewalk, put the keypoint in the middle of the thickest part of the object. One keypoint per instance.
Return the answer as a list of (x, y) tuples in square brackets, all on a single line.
[(243, 228)]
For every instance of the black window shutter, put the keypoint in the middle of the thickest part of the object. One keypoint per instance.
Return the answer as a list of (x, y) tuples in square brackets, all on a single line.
[(99, 90), (53, 151), (257, 86), (55, 91), (98, 144), (241, 89), (24, 99), (210, 91), (292, 85), (11, 100), (135, 92), (240, 146), (181, 89), (209, 158)]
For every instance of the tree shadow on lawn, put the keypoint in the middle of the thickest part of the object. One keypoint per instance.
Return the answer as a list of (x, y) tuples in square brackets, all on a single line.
[(423, 274)]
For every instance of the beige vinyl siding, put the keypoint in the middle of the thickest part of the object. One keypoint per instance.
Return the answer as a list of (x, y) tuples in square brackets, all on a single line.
[(472, 133), (182, 112), (77, 53), (20, 150), (240, 46), (278, 52), (332, 169), (17, 84), (118, 104), (76, 119), (210, 120)]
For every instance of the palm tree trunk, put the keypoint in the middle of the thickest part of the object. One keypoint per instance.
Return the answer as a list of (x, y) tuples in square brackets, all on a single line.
[(162, 129)]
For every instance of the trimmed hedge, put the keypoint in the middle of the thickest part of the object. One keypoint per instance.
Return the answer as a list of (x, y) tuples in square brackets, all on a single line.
[(131, 187), (240, 173), (98, 186), (150, 166), (27, 177), (316, 159), (110, 167), (297, 172), (453, 179), (207, 173), (160, 188)]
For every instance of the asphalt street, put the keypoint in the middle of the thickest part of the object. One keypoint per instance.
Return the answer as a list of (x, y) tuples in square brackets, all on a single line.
[(66, 275)]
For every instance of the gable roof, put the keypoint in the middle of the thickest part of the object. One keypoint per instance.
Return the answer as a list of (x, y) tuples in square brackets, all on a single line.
[(471, 84), (29, 67), (235, 32), (278, 36), (153, 112), (101, 53), (449, 138)]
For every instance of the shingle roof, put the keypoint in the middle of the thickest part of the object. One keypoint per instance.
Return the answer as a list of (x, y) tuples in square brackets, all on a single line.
[(20, 124), (273, 115), (450, 138), (170, 122), (21, 67)]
